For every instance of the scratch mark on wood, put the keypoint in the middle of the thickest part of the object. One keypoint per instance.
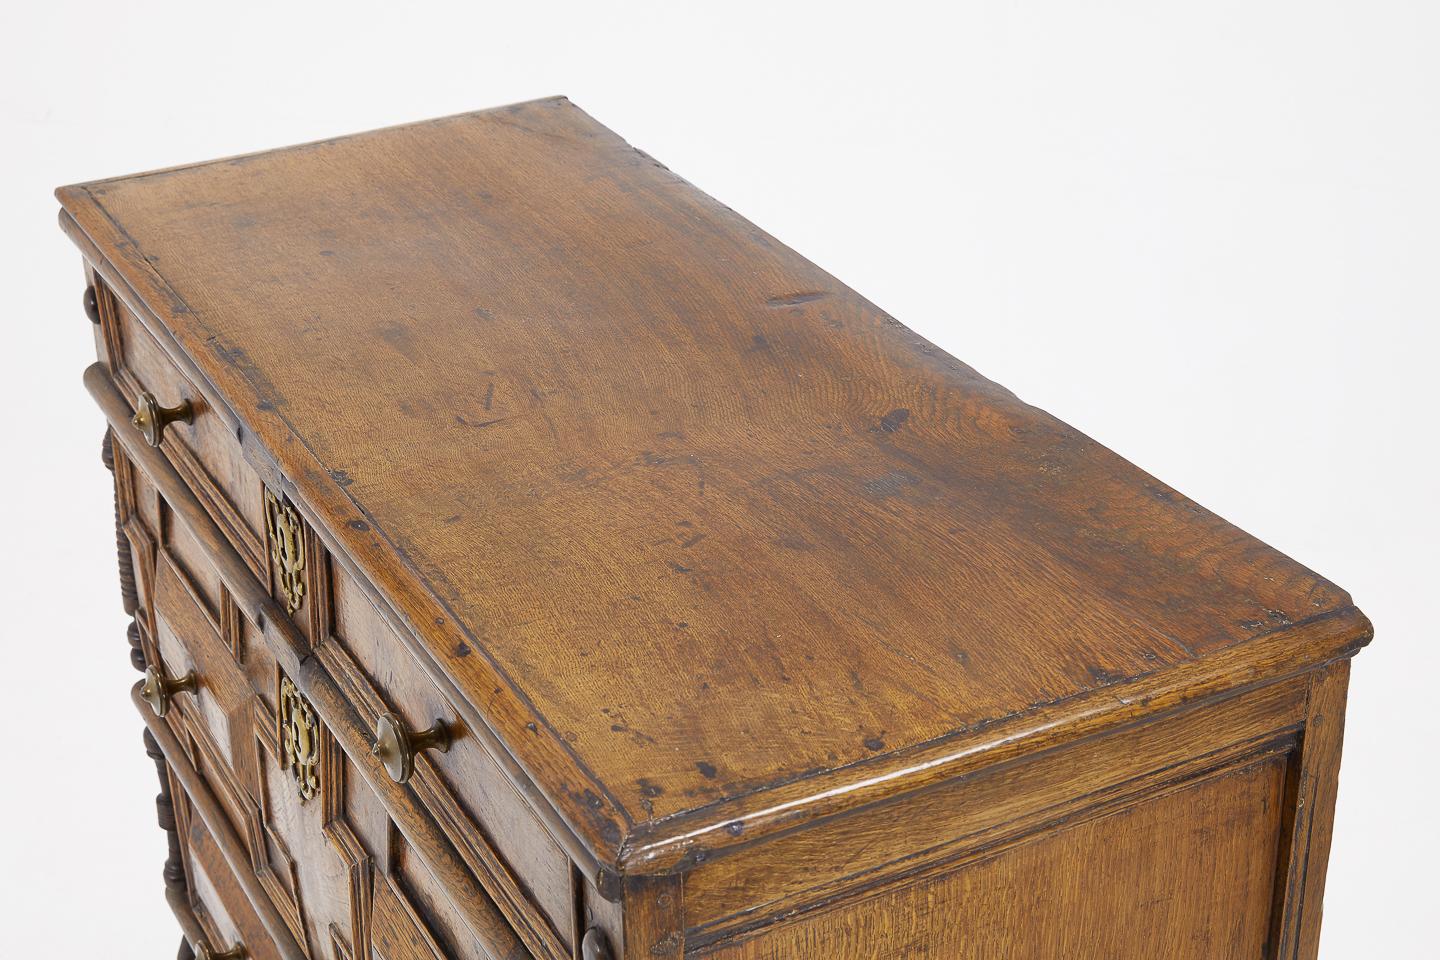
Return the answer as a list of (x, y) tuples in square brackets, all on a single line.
[(794, 299)]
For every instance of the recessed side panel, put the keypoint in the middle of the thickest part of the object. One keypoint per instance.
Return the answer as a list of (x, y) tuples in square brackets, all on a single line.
[(993, 807), (1189, 874)]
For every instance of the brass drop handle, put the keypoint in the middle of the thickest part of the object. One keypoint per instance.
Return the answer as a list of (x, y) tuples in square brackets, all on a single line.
[(151, 418), (396, 746), (159, 690), (204, 952), (595, 946)]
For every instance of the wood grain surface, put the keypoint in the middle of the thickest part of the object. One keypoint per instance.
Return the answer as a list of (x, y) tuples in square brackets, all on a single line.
[(1185, 877), (691, 525)]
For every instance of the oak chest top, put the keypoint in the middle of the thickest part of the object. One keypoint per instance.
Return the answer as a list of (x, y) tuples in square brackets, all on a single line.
[(711, 543)]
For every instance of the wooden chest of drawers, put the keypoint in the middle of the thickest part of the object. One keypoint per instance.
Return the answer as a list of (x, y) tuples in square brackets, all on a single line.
[(529, 557)]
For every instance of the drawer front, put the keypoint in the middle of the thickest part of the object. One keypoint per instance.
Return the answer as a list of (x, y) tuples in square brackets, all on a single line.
[(414, 917), (187, 640), (205, 451), (292, 808), (225, 914), (315, 832), (520, 864)]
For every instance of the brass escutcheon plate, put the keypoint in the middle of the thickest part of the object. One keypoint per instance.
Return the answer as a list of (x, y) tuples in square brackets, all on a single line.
[(287, 549), (299, 734)]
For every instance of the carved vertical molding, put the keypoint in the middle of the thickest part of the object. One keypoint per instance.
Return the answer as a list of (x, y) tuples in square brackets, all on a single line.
[(137, 653), (129, 595), (174, 871)]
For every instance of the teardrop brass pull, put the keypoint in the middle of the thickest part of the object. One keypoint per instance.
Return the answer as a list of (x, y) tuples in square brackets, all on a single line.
[(396, 746), (159, 690), (151, 418), (595, 946), (203, 952)]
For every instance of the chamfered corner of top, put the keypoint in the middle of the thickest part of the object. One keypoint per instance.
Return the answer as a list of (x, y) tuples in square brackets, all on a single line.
[(70, 195), (75, 199), (1362, 630)]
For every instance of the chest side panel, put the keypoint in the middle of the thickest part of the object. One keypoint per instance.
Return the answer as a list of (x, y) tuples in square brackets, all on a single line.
[(1188, 876)]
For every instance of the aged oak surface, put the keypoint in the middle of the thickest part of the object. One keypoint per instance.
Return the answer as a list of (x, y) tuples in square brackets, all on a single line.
[(695, 548), (1059, 895)]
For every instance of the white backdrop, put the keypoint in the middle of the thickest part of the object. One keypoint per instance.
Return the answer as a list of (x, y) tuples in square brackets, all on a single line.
[(1204, 233)]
